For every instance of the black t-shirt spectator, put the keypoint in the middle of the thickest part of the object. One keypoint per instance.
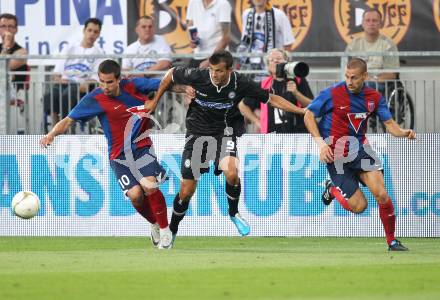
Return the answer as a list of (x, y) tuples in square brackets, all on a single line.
[(18, 80)]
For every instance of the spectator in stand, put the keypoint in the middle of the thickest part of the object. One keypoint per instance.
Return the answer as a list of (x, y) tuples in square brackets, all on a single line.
[(256, 36), (75, 76), (373, 41), (8, 30), (148, 43), (268, 119), (212, 20)]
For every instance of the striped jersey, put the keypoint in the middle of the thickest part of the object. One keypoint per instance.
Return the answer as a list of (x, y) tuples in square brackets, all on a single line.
[(344, 116), (121, 128)]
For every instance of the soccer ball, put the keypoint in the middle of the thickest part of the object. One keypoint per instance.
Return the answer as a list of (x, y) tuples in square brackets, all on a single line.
[(25, 205)]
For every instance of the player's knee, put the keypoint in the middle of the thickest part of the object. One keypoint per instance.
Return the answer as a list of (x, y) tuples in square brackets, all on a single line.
[(186, 192), (149, 191), (381, 196), (232, 176), (136, 196), (359, 207)]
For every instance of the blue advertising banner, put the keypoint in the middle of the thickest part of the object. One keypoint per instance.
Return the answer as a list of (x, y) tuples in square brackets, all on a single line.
[(282, 182)]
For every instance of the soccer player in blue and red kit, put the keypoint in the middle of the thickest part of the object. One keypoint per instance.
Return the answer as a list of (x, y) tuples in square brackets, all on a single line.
[(344, 110), (132, 157)]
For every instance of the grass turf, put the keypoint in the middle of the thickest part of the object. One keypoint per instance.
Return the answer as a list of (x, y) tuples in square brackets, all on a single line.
[(218, 268)]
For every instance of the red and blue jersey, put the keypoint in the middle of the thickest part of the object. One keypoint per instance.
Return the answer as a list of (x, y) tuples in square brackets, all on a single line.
[(121, 128), (344, 115)]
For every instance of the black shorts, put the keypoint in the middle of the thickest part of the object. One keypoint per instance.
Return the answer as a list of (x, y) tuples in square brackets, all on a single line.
[(346, 175), (199, 151)]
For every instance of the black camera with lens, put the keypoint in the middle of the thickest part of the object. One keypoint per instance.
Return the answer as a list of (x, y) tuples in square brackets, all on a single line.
[(291, 70)]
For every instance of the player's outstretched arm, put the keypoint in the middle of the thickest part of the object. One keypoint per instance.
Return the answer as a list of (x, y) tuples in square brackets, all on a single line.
[(60, 128), (281, 103), (394, 129), (165, 84), (325, 152)]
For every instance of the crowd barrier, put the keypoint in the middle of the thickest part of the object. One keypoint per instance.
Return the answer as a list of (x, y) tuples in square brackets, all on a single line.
[(29, 116), (282, 181), (413, 98)]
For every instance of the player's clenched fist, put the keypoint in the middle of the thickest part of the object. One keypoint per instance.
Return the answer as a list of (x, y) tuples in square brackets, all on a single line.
[(411, 134), (326, 154), (46, 140)]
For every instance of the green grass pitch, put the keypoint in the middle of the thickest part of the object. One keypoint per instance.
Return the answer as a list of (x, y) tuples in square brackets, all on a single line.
[(217, 268)]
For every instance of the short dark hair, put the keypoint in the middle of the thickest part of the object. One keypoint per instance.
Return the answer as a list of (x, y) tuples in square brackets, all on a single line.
[(144, 18), (372, 10), (109, 66), (357, 63), (222, 56), (10, 17), (95, 21)]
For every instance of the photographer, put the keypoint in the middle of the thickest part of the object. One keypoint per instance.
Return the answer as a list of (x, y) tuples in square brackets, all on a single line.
[(286, 80)]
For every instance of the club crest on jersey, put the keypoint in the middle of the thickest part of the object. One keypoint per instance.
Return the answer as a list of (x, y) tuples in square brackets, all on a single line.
[(370, 106), (356, 120), (187, 163), (231, 95)]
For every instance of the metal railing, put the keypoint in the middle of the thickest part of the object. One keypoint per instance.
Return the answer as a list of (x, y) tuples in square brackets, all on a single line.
[(414, 99)]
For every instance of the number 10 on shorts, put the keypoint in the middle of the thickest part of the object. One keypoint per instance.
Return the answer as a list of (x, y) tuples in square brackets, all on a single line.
[(124, 182)]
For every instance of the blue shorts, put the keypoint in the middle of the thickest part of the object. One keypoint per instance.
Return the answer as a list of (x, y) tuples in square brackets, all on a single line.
[(130, 170), (347, 179)]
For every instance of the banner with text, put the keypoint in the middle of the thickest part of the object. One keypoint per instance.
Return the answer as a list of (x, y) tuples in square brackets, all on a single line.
[(282, 182), (45, 26)]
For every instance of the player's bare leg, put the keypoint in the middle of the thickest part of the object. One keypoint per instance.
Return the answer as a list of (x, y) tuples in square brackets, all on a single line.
[(159, 208), (375, 182), (356, 203), (229, 166), (142, 205), (181, 203)]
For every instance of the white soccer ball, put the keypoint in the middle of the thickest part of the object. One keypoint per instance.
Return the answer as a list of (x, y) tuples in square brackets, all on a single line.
[(25, 205)]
